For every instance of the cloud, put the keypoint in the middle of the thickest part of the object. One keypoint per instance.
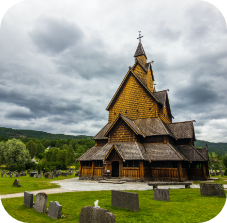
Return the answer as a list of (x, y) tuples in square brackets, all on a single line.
[(55, 35)]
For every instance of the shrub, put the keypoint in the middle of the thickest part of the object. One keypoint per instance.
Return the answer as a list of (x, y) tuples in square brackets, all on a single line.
[(225, 173)]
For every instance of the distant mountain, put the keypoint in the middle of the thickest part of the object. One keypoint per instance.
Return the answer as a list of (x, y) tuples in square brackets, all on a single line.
[(22, 133), (219, 148)]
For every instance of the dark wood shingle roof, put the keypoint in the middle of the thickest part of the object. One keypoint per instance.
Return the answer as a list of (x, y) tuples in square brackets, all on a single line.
[(140, 51), (87, 156)]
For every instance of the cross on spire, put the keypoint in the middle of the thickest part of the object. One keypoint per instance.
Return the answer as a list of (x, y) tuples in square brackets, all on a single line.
[(139, 36)]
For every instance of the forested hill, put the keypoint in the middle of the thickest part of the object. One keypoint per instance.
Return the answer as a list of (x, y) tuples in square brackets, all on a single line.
[(22, 133), (219, 148)]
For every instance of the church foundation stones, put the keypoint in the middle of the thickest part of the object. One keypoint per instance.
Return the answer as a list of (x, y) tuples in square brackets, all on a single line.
[(40, 203), (161, 194), (28, 199), (208, 189), (54, 210), (125, 200)]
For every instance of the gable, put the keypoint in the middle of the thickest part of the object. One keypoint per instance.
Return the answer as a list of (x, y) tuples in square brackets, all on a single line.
[(113, 154), (133, 100), (121, 132)]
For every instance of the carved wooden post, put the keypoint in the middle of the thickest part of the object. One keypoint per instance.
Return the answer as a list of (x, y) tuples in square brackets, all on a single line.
[(180, 171), (80, 169), (141, 171), (92, 169), (204, 170)]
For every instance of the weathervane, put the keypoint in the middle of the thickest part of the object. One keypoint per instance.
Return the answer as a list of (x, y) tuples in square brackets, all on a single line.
[(139, 36)]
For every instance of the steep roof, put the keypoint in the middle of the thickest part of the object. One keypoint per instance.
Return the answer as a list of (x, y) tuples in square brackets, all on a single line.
[(130, 72), (140, 51), (182, 130), (129, 122), (87, 156), (127, 151), (102, 132), (192, 153), (163, 152), (152, 127)]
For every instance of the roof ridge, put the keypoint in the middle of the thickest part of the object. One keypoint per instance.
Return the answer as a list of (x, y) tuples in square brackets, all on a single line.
[(179, 155), (140, 65), (120, 152), (139, 129), (141, 155), (182, 152), (179, 122), (98, 150), (161, 91), (198, 152)]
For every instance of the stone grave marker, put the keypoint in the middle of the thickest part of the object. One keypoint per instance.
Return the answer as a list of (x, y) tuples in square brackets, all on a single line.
[(1, 174), (14, 175), (125, 200), (97, 215), (64, 174), (5, 175), (16, 183), (54, 210), (51, 176), (55, 175), (39, 176), (208, 189), (40, 203), (35, 176), (77, 173), (10, 175), (28, 199), (161, 194), (46, 175)]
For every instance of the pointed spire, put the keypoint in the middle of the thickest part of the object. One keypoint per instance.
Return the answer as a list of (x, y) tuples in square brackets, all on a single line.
[(140, 51)]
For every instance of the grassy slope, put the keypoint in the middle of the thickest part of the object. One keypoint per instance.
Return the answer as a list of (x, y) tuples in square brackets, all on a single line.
[(28, 184), (186, 205)]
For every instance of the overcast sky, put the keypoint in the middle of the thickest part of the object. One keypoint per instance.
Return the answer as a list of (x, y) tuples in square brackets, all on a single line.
[(61, 63)]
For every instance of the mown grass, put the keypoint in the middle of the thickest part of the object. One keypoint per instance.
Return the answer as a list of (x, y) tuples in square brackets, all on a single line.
[(220, 180), (186, 205), (28, 184)]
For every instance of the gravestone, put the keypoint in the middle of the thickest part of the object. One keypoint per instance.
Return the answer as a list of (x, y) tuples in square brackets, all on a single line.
[(14, 175), (28, 199), (161, 194), (1, 174), (39, 176), (10, 175), (51, 176), (17, 175), (16, 183), (77, 173), (208, 189), (125, 200), (54, 210), (46, 175), (96, 215), (222, 174), (35, 176), (64, 174), (40, 203), (6, 175), (55, 175)]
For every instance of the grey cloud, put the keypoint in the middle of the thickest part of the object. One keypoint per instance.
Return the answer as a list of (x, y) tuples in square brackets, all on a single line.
[(54, 35)]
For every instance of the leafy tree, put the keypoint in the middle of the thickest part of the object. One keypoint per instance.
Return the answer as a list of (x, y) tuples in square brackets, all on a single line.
[(31, 146), (71, 156), (225, 161), (14, 152), (39, 149)]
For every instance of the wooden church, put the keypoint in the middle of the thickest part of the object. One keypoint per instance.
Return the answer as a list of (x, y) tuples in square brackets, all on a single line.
[(140, 141)]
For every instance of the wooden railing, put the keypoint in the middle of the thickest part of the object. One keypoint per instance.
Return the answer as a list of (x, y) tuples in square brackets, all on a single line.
[(164, 172)]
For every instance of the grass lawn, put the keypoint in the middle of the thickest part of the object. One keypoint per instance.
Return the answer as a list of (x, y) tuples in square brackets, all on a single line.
[(186, 205), (28, 184), (221, 180)]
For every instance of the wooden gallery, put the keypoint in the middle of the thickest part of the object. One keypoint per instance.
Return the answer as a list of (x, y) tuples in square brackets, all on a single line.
[(140, 141)]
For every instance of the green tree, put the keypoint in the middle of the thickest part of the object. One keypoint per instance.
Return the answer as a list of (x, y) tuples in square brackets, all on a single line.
[(71, 156), (14, 152), (31, 146), (225, 161), (39, 149)]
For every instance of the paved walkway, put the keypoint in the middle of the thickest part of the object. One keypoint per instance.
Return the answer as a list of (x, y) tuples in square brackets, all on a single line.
[(74, 184)]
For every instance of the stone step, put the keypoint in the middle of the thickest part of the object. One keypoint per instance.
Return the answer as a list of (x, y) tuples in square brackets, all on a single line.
[(112, 181)]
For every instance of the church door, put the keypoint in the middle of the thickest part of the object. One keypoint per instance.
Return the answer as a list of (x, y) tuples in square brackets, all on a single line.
[(115, 169)]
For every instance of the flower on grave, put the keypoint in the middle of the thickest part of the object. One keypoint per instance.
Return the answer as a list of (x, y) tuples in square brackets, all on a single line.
[(96, 204)]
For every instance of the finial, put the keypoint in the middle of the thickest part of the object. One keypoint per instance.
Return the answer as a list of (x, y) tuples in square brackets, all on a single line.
[(129, 67), (152, 61), (139, 37)]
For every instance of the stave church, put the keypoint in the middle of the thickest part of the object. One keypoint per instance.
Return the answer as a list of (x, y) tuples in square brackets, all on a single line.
[(140, 141)]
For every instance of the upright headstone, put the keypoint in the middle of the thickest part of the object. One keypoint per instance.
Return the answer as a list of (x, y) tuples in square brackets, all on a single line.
[(16, 183), (1, 174), (40, 203), (56, 175), (5, 175), (77, 173), (51, 176), (14, 175), (97, 215), (64, 174), (125, 200), (54, 210), (46, 175), (35, 176), (39, 176), (161, 194), (10, 175), (28, 199), (208, 189)]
